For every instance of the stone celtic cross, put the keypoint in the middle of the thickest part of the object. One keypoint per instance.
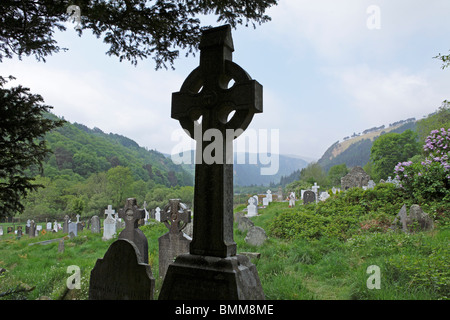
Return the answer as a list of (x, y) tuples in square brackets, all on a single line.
[(131, 214), (205, 94), (175, 216)]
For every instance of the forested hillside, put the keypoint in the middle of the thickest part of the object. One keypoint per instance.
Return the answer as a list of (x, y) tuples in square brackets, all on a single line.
[(90, 169)]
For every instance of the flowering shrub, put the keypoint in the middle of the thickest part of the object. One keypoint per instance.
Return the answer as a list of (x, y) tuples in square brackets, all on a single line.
[(429, 179)]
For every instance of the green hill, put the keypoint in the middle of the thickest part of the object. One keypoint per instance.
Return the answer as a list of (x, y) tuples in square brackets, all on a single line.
[(89, 170), (355, 151), (83, 151)]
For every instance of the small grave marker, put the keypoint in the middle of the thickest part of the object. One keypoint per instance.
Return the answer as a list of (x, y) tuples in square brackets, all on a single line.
[(131, 214), (175, 242)]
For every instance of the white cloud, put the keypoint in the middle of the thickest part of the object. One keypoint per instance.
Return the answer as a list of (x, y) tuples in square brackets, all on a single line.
[(379, 97)]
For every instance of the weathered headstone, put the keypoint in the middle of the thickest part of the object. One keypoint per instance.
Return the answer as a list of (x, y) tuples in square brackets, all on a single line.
[(324, 195), (55, 226), (309, 197), (79, 223), (371, 184), (256, 236), (32, 230), (73, 228), (175, 242), (1, 230), (212, 270), (19, 232), (269, 195), (147, 214), (416, 221), (316, 188), (95, 224), (131, 214), (61, 246), (27, 226), (120, 224), (189, 229), (252, 209), (280, 194), (109, 225), (357, 177), (121, 274), (158, 214), (265, 201), (244, 224), (423, 220), (66, 224), (49, 226)]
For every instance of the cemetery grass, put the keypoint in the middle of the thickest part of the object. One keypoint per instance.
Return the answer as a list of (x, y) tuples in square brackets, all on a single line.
[(331, 266), (40, 271), (299, 267)]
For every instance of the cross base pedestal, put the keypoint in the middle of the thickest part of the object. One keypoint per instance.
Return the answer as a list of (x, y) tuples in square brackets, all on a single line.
[(195, 277)]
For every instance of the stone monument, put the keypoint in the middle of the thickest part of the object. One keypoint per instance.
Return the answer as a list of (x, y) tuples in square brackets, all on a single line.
[(212, 270), (269, 195), (109, 225), (131, 214), (280, 194), (121, 274), (256, 236), (309, 197), (252, 209), (66, 224), (357, 177), (32, 230), (175, 216), (95, 224)]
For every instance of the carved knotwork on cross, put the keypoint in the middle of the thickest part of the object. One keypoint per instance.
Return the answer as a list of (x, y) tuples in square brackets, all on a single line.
[(205, 94), (175, 216), (131, 214)]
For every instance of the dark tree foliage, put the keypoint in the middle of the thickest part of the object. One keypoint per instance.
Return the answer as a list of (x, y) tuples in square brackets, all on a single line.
[(134, 29), (21, 125)]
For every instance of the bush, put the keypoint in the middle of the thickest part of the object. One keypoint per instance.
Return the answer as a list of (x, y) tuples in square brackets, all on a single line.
[(429, 179), (342, 215)]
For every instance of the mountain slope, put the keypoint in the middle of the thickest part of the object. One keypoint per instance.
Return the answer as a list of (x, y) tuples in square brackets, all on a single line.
[(247, 172), (355, 151), (83, 151)]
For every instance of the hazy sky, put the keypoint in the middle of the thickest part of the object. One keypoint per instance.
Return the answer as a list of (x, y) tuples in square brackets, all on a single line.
[(329, 68)]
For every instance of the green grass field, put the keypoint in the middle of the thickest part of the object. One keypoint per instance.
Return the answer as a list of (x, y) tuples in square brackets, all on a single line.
[(411, 266)]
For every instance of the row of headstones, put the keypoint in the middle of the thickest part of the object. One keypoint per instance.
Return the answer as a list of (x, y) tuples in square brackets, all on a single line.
[(309, 196), (32, 229), (129, 253), (113, 222), (253, 203)]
